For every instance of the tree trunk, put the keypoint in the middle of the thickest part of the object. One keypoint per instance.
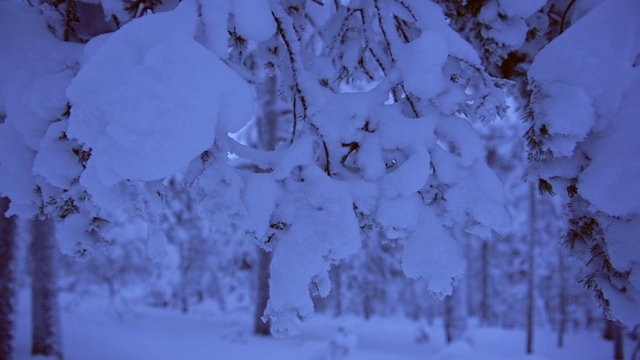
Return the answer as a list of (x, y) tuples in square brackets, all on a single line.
[(562, 306), (533, 218), (269, 124), (337, 290), (7, 279), (618, 341), (44, 303), (262, 296), (367, 305), (455, 318), (484, 300)]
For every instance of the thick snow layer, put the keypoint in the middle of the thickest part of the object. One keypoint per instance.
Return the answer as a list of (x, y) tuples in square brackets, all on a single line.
[(431, 253), (421, 62), (253, 19), (149, 100), (594, 54), (510, 30), (214, 20), (611, 182), (33, 51), (72, 235), (55, 161), (34, 71), (16, 180), (259, 197), (594, 88), (569, 114)]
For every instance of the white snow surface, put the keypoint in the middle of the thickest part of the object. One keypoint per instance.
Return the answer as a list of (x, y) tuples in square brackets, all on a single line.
[(136, 332)]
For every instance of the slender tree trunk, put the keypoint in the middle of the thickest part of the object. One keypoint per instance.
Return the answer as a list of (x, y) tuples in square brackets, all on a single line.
[(367, 305), (533, 219), (484, 300), (44, 303), (337, 290), (262, 297), (562, 306), (609, 330), (455, 317), (7, 279), (618, 341), (268, 126)]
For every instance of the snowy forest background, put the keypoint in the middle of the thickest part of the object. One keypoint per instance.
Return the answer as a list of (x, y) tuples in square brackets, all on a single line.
[(391, 179)]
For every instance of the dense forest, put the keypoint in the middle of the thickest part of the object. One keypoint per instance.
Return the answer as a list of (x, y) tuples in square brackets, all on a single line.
[(459, 164)]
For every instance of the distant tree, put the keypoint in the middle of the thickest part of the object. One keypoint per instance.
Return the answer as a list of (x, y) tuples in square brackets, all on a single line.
[(7, 280), (455, 315), (45, 317)]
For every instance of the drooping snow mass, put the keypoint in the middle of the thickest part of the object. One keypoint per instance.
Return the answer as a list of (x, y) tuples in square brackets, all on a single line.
[(34, 71), (613, 189), (171, 93), (320, 228), (253, 19), (586, 91)]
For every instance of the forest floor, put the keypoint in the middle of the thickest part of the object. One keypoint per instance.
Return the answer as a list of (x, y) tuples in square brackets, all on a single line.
[(93, 330)]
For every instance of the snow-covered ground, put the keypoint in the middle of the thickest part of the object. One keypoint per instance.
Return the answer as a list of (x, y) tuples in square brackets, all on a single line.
[(91, 329)]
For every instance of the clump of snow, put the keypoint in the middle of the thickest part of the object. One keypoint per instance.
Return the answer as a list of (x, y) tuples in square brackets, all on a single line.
[(73, 237), (214, 17), (259, 198), (431, 253), (172, 93), (319, 227), (253, 19), (55, 161), (510, 31), (615, 189), (16, 180), (423, 74)]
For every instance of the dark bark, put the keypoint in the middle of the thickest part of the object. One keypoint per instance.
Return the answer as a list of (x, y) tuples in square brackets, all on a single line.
[(367, 305), (609, 330), (455, 318), (484, 300), (337, 290), (261, 327), (7, 280), (618, 345), (562, 306), (533, 218), (44, 302)]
